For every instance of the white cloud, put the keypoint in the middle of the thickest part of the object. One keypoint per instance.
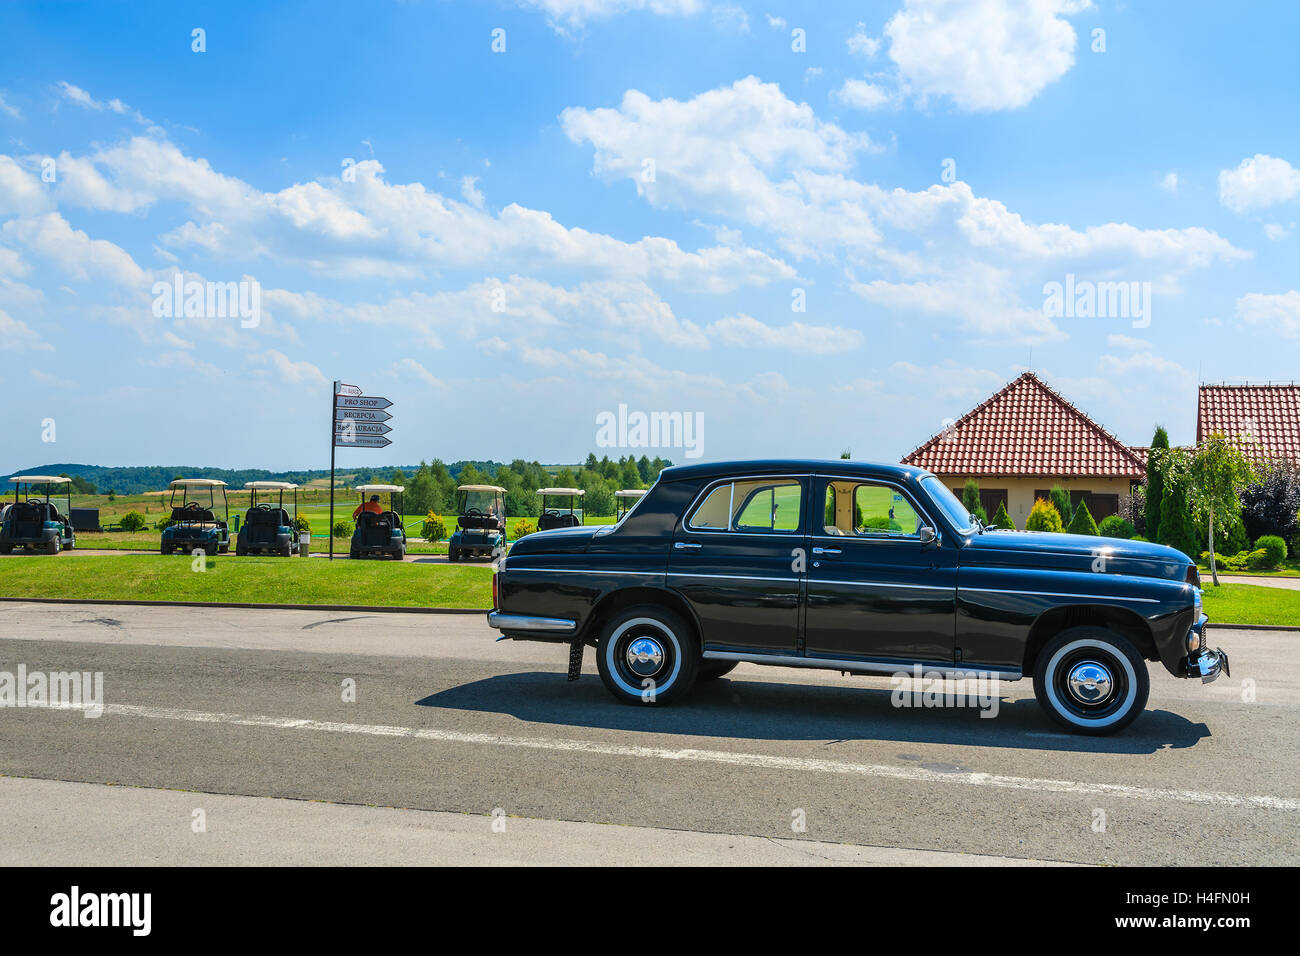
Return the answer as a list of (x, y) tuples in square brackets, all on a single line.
[(863, 43), (1278, 312), (983, 54), (18, 336), (1257, 183), (283, 367), (776, 23), (574, 14), (1170, 182), (52, 381), (9, 110), (744, 331), (79, 97), (1276, 232), (21, 192), (79, 256), (864, 95), (471, 192), (410, 368)]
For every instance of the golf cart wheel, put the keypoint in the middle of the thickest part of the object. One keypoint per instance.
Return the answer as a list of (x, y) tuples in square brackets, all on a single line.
[(647, 655), (163, 549), (400, 554), (240, 550), (224, 549), (286, 551), (1091, 680), (52, 546), (452, 555), (6, 548), (712, 670), (354, 554), (72, 543)]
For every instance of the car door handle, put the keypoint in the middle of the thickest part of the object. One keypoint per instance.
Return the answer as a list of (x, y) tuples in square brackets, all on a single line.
[(827, 551), (687, 545)]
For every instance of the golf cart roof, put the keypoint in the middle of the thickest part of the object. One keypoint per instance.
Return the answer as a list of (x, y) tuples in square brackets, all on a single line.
[(630, 493), (560, 491), (270, 485), (182, 482), (41, 480), (380, 488), (481, 488)]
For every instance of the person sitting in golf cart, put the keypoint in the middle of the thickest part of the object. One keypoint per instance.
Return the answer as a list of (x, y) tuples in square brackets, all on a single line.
[(481, 525), (373, 506)]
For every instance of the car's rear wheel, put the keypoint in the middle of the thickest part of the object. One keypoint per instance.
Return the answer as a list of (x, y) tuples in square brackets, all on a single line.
[(1091, 680), (712, 670), (648, 655)]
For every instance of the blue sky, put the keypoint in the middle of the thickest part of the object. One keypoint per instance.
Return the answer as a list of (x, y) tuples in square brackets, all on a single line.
[(477, 235)]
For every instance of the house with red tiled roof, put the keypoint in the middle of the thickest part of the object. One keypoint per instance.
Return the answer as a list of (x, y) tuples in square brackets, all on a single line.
[(1025, 439), (1263, 419)]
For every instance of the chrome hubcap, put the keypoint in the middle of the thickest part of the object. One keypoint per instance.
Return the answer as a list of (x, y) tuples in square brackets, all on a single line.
[(1090, 683), (645, 656)]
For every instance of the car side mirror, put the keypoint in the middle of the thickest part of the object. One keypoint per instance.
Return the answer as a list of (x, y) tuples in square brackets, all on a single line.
[(928, 535)]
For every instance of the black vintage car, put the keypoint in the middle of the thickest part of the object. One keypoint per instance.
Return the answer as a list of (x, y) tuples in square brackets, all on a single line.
[(855, 567)]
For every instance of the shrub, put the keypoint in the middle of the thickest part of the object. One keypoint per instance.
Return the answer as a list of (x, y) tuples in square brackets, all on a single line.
[(1153, 498), (1274, 547), (1043, 516), (301, 524), (164, 522), (433, 528), (1113, 526), (970, 497), (132, 521), (1001, 519), (1258, 560), (522, 527), (1082, 522), (1061, 499), (883, 523), (1177, 526), (343, 529), (1271, 506)]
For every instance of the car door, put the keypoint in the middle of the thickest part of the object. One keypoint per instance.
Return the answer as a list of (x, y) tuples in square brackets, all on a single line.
[(875, 591), (737, 560)]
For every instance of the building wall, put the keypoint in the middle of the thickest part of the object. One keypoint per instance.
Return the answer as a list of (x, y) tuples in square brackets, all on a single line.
[(1020, 491)]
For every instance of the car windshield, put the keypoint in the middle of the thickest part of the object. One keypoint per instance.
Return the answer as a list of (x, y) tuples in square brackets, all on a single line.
[(484, 501), (948, 503)]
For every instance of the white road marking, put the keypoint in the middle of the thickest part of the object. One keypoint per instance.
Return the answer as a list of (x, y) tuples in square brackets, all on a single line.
[(757, 761)]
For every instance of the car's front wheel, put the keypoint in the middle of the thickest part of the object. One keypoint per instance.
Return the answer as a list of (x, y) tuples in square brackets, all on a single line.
[(1091, 680), (647, 655)]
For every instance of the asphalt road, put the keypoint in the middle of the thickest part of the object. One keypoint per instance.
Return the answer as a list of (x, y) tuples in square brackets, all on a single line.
[(461, 749)]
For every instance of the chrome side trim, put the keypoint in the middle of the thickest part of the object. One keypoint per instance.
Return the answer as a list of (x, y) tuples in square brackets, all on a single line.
[(584, 571), (884, 584), (946, 668), (1089, 597), (734, 577), (524, 622)]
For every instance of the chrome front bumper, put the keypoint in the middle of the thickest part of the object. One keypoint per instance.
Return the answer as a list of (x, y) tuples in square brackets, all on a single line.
[(1209, 665)]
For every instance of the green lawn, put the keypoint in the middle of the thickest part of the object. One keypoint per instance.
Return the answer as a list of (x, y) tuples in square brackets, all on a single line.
[(247, 580), (1252, 604)]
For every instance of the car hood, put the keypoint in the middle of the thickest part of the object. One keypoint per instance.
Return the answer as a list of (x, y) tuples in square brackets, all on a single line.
[(1074, 552), (557, 540)]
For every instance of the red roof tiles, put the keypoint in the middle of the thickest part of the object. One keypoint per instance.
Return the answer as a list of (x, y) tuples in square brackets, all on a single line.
[(1027, 430), (1265, 418)]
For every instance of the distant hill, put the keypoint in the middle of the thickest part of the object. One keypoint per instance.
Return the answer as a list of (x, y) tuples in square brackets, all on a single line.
[(138, 479)]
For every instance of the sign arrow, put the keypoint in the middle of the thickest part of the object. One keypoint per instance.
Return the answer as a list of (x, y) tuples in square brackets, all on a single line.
[(361, 428), (345, 389), (363, 441), (362, 401), (361, 415)]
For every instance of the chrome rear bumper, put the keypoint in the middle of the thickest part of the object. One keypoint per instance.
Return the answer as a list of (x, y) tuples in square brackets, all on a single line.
[(524, 622)]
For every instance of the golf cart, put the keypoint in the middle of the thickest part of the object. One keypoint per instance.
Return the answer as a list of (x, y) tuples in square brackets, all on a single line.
[(625, 500), (379, 532), (267, 528), (481, 526), (34, 522), (562, 515), (194, 525)]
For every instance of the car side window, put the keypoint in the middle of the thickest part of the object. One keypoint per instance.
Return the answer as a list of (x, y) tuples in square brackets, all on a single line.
[(771, 505), (867, 508)]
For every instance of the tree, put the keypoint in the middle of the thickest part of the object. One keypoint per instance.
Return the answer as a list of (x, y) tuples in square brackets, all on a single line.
[(1270, 504), (1219, 474), (970, 497), (1082, 522), (1001, 519), (1061, 498), (1155, 492), (1043, 516), (1177, 524)]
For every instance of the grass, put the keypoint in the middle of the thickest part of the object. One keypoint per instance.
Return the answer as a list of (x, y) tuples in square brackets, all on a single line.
[(250, 580), (1252, 604)]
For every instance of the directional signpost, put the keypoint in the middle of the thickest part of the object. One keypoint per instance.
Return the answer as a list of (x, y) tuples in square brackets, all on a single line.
[(356, 421)]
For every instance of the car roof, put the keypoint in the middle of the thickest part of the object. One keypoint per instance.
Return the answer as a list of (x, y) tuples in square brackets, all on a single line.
[(381, 488), (481, 488), (560, 491), (41, 479), (181, 482), (791, 466), (270, 485)]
